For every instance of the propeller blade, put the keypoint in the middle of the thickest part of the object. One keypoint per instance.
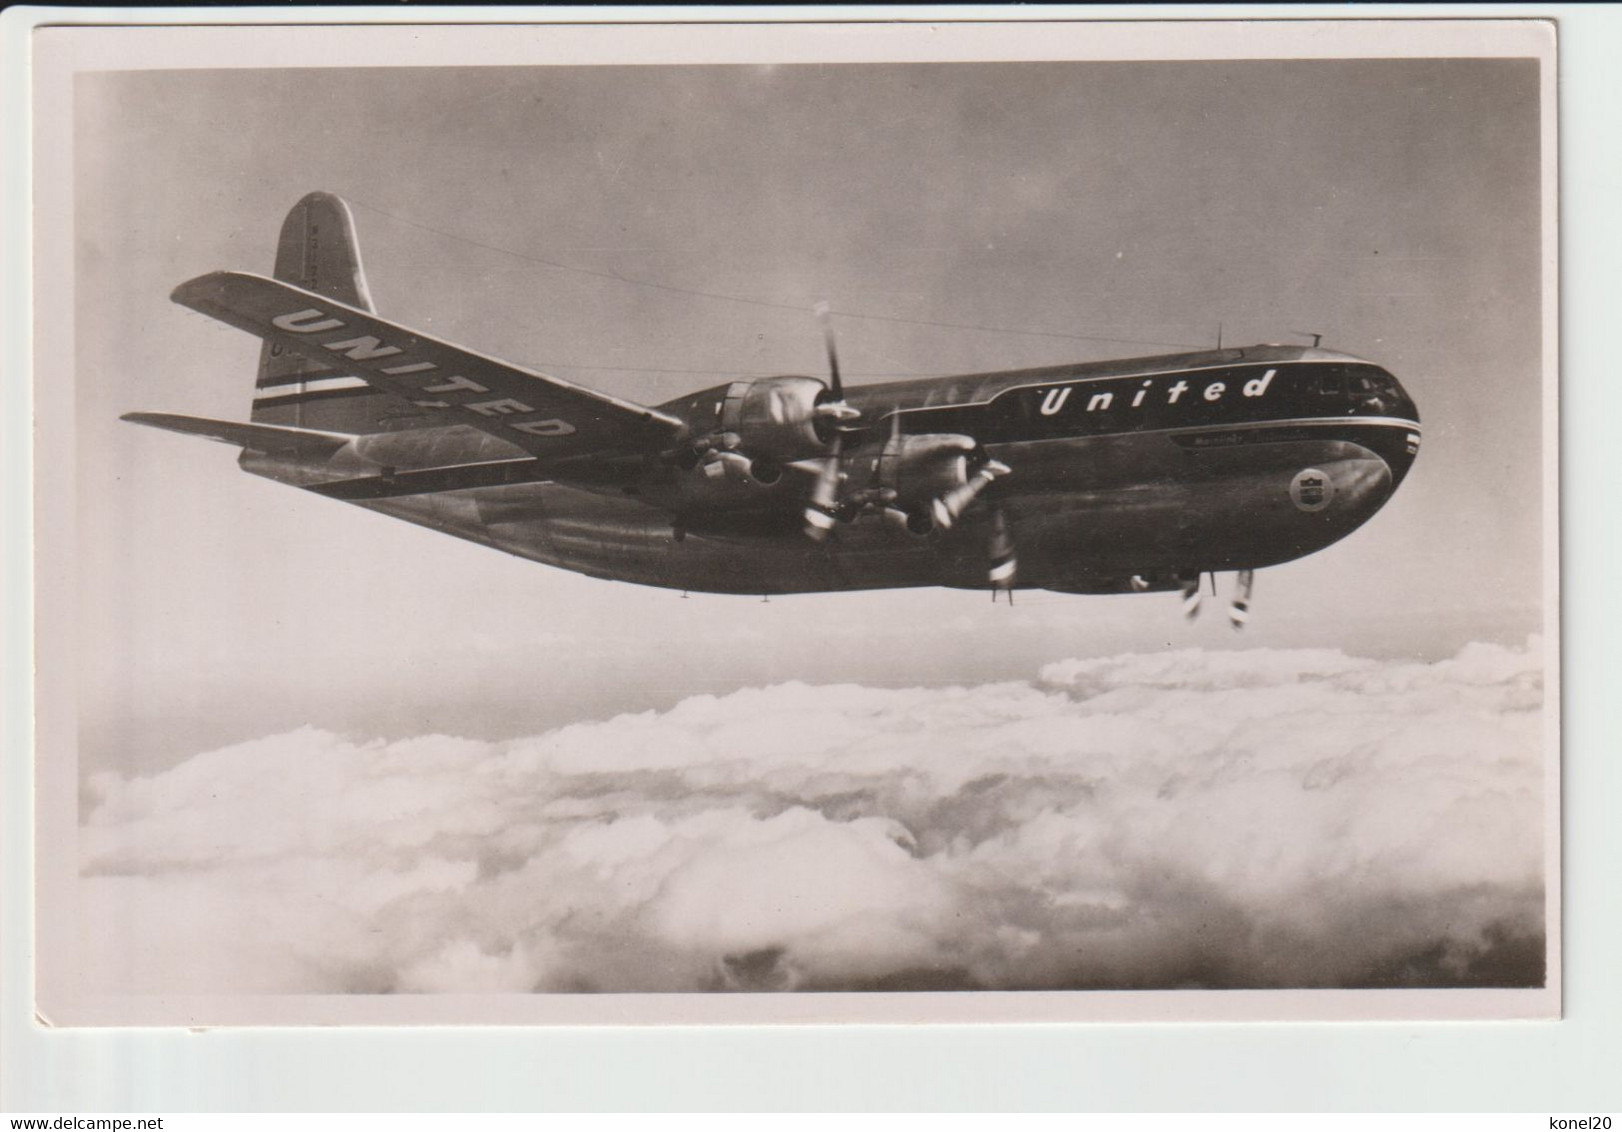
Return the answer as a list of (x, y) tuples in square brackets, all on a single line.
[(1239, 608), (948, 507), (823, 506), (1191, 597), (835, 385), (1004, 562), (723, 462)]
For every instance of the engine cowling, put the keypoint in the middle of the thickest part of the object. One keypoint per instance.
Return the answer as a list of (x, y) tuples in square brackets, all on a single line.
[(925, 466), (778, 418), (929, 479)]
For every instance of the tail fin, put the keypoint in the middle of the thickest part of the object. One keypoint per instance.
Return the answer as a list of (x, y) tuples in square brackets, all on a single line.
[(317, 250)]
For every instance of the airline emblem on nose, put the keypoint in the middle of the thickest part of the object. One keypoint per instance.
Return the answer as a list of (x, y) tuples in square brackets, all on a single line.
[(1311, 490)]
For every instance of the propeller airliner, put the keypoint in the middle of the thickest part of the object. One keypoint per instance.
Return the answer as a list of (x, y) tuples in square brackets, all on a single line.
[(1128, 476)]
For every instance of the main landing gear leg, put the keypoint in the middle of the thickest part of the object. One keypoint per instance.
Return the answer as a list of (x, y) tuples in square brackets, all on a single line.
[(1239, 608), (1191, 597)]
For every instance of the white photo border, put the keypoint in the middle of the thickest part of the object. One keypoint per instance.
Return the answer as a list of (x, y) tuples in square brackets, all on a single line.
[(1093, 1065)]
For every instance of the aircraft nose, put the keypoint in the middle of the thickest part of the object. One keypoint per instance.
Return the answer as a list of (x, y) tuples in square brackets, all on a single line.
[(1361, 478), (1351, 488), (1361, 486)]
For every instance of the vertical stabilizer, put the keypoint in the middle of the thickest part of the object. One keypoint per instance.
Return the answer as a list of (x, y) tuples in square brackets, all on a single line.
[(318, 251)]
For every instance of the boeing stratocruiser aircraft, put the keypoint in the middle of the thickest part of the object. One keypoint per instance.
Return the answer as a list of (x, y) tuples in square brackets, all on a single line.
[(1103, 477)]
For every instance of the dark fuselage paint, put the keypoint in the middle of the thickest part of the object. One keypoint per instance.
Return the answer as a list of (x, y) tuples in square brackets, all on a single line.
[(1154, 467)]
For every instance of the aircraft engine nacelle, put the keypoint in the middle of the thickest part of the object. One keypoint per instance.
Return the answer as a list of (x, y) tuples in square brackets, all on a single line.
[(778, 417), (924, 467)]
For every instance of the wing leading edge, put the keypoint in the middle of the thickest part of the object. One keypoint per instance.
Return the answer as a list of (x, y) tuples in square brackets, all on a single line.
[(544, 416)]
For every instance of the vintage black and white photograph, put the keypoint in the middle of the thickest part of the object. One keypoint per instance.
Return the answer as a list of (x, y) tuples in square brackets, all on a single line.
[(600, 525)]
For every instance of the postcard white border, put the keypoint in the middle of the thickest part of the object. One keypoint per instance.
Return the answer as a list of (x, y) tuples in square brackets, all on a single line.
[(65, 52), (980, 41)]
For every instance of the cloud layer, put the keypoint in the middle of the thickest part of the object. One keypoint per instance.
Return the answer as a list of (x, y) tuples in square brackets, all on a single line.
[(1258, 818)]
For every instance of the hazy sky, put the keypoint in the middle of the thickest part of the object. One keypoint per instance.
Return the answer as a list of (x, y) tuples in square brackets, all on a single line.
[(1391, 205)]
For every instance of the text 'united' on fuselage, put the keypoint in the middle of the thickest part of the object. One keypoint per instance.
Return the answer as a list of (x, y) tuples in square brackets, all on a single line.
[(1101, 477)]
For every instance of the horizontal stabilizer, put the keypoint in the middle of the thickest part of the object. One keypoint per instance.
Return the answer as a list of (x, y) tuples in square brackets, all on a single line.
[(544, 416), (270, 439)]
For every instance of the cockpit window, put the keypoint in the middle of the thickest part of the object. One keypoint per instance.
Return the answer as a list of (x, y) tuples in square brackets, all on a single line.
[(1373, 383), (1364, 381)]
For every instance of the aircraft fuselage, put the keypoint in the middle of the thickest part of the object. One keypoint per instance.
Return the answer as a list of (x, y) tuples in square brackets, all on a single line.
[(1128, 475)]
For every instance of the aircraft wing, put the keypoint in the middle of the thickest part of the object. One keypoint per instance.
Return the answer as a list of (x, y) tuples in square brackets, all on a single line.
[(542, 415)]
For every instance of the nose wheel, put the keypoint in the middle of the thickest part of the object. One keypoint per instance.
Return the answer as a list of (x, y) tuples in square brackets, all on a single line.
[(1238, 605), (1191, 597)]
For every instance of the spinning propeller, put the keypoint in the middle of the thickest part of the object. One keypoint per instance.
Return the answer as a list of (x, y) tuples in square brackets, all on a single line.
[(835, 407), (1000, 550), (947, 508), (822, 508)]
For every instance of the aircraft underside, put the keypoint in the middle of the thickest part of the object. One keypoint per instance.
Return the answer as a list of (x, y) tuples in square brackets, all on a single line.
[(1096, 515)]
